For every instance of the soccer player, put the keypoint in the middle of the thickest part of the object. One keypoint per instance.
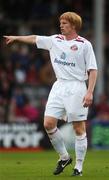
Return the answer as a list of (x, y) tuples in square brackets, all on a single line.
[(74, 62)]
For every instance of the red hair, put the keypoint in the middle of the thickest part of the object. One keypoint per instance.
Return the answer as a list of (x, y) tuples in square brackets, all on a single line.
[(73, 18)]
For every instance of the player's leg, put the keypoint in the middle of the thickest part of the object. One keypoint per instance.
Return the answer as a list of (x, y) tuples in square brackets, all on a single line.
[(77, 114), (53, 112), (80, 146), (54, 134)]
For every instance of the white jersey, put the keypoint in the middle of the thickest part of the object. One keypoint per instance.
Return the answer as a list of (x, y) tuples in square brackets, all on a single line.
[(71, 59)]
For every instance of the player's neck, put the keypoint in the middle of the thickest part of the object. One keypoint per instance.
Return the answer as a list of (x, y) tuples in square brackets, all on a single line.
[(72, 36)]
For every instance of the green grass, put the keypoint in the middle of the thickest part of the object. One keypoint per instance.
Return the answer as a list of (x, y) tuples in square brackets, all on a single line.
[(39, 166)]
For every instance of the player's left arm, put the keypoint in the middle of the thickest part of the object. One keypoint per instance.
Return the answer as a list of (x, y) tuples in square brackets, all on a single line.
[(88, 98)]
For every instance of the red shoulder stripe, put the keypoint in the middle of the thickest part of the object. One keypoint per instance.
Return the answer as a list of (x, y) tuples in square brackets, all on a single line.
[(60, 37), (79, 40)]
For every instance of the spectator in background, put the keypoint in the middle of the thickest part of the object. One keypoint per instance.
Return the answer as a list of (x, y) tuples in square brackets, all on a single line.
[(16, 105), (30, 112), (38, 7), (46, 75), (20, 74), (32, 75), (2, 111), (5, 96), (102, 108), (9, 71), (21, 55), (21, 110)]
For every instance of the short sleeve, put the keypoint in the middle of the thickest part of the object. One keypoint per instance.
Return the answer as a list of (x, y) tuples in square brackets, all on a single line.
[(44, 42), (90, 58)]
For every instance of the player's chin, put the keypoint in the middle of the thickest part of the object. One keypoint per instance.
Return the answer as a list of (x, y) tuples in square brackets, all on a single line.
[(62, 32)]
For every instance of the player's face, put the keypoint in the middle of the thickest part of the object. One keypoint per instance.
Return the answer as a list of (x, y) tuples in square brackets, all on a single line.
[(65, 27)]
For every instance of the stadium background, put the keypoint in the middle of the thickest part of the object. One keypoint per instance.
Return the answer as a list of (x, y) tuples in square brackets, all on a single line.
[(26, 75)]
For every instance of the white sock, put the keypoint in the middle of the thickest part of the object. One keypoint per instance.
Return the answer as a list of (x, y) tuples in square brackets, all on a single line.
[(58, 143), (80, 150)]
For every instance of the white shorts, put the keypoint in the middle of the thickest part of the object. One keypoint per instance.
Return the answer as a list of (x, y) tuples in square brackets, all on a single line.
[(66, 99)]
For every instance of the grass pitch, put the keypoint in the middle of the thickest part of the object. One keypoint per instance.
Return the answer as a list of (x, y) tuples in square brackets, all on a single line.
[(40, 165)]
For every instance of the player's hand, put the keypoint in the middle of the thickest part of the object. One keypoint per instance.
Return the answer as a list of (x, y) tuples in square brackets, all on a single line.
[(9, 39), (88, 98)]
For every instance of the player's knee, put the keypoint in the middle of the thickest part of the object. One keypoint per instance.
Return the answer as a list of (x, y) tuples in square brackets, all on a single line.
[(78, 130), (49, 124)]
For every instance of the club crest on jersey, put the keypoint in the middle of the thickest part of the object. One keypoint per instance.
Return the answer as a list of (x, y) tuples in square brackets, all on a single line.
[(63, 56), (74, 47)]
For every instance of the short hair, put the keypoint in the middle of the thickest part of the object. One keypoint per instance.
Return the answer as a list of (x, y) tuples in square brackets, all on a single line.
[(73, 18)]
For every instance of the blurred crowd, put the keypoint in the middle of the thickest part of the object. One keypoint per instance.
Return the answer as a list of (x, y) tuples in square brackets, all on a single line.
[(22, 65)]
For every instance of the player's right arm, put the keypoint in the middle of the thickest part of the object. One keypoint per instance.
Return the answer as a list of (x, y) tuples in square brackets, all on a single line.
[(42, 42), (30, 39)]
